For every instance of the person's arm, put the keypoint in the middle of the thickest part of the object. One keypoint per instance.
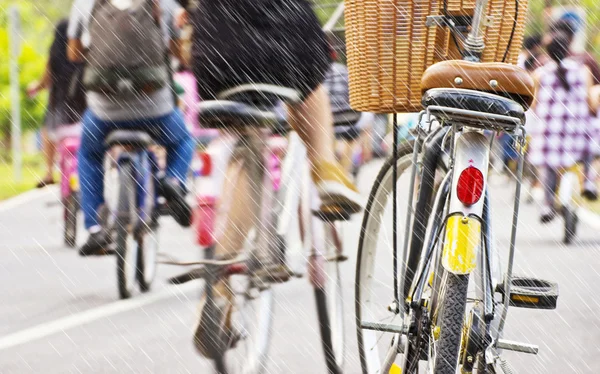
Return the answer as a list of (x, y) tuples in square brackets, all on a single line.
[(171, 10), (536, 88), (592, 90), (80, 15), (43, 84), (593, 66)]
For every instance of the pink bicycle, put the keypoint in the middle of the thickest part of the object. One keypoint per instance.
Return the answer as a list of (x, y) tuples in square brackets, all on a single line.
[(69, 140)]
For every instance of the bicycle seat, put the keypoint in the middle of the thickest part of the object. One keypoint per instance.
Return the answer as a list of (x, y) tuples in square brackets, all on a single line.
[(134, 138), (261, 95), (502, 79), (484, 103), (248, 105)]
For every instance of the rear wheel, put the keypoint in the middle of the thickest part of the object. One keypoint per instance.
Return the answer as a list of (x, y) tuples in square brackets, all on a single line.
[(148, 246), (330, 302), (71, 207), (126, 246), (452, 316), (148, 231)]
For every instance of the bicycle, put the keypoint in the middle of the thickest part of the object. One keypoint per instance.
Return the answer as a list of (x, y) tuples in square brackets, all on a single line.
[(310, 245), (131, 214), (69, 183), (442, 302)]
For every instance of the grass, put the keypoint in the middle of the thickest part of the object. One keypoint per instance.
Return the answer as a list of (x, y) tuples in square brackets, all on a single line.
[(33, 171)]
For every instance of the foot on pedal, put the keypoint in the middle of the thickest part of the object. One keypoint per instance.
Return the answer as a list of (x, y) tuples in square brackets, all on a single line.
[(531, 293)]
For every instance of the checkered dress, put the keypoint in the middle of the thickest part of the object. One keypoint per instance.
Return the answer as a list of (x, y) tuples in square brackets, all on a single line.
[(562, 132)]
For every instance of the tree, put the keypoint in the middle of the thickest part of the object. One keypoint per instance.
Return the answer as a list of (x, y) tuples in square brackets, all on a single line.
[(35, 36)]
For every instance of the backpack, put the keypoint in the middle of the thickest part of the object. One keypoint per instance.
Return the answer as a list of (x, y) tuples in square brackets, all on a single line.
[(127, 50)]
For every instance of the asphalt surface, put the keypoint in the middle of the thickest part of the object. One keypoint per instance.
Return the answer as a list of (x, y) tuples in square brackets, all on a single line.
[(60, 313)]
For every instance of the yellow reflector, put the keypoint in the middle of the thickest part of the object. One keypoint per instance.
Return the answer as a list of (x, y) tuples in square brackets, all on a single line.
[(525, 299), (463, 235), (74, 182), (395, 369)]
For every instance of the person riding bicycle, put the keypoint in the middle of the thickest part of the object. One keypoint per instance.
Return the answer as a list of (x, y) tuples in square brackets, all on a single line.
[(279, 43), (66, 101), (129, 87), (562, 103)]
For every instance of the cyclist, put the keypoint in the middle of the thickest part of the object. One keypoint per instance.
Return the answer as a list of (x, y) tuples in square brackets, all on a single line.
[(274, 42), (100, 32), (562, 103), (66, 103), (568, 28)]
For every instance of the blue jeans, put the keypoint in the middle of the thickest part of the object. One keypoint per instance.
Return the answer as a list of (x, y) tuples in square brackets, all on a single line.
[(168, 131)]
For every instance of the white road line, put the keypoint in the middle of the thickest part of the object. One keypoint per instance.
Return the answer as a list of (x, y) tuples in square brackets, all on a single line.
[(62, 324), (26, 197)]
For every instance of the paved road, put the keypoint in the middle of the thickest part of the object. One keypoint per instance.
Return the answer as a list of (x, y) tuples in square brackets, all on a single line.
[(60, 314)]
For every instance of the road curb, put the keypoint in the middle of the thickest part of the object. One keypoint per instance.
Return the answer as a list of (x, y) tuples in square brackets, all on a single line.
[(26, 197)]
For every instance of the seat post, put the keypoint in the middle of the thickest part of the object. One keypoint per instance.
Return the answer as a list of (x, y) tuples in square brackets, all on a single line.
[(474, 44)]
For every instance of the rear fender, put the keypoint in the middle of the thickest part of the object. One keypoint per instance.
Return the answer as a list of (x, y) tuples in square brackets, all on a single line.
[(463, 226)]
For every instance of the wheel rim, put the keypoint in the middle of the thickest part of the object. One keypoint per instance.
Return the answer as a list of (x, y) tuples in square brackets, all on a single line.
[(253, 318), (150, 245), (372, 291)]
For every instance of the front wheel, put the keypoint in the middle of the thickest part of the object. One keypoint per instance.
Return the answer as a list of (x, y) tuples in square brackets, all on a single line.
[(450, 324), (330, 301)]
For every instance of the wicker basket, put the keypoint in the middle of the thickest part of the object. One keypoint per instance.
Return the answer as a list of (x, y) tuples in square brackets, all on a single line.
[(385, 72)]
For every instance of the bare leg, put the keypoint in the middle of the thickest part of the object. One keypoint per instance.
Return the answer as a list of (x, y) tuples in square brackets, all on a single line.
[(49, 149), (238, 209), (346, 147), (313, 121)]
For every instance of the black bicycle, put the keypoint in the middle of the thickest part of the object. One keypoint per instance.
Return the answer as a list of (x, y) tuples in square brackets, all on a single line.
[(131, 213)]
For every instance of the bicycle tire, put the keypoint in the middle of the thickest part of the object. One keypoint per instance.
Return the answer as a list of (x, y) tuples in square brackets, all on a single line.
[(148, 237), (453, 305), (330, 306), (372, 218), (71, 207), (147, 257), (571, 221), (126, 247)]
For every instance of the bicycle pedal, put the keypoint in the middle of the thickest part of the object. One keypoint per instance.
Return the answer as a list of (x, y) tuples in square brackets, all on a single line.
[(338, 258), (531, 293), (198, 273), (332, 214), (510, 345)]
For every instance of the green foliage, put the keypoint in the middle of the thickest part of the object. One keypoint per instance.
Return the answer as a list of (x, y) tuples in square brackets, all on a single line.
[(37, 19)]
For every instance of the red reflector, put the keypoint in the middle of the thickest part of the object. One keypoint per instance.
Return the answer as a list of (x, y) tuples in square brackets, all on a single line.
[(206, 164), (470, 186)]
